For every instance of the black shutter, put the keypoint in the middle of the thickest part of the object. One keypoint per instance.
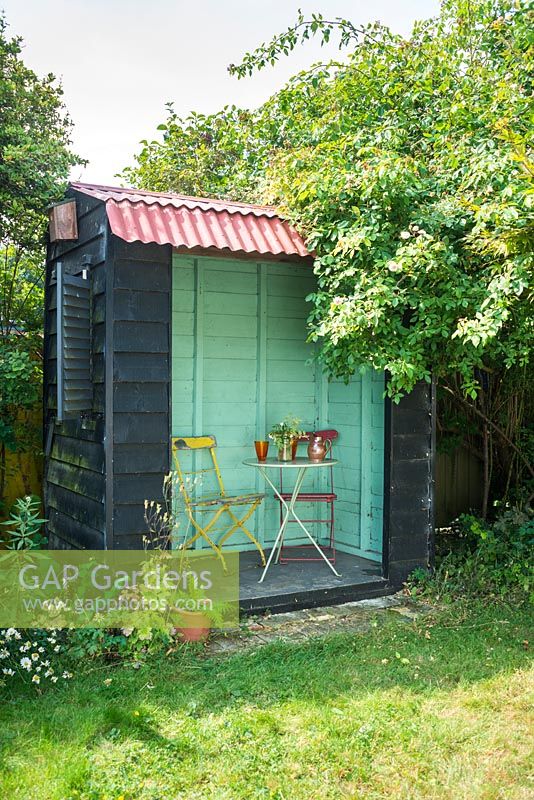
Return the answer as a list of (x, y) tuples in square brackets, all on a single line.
[(74, 387)]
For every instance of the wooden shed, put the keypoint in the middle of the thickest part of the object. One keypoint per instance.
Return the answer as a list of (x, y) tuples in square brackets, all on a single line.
[(176, 316)]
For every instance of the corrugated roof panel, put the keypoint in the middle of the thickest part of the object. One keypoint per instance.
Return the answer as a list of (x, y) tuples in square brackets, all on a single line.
[(195, 222), (178, 200)]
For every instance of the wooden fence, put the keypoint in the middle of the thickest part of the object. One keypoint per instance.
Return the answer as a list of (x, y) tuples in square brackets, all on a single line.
[(459, 483)]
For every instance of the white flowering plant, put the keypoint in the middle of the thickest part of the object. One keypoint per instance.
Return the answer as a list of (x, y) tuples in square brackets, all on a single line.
[(286, 431), (32, 656)]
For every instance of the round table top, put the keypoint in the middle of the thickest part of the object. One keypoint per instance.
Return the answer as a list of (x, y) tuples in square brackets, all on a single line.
[(295, 464)]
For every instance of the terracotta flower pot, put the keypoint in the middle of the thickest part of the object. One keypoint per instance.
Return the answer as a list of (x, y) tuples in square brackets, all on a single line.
[(195, 626)]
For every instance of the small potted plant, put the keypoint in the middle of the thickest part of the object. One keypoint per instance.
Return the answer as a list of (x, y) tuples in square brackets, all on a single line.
[(192, 612), (285, 434), (197, 615)]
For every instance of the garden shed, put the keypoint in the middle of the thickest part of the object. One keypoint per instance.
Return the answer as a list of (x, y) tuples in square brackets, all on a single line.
[(176, 316)]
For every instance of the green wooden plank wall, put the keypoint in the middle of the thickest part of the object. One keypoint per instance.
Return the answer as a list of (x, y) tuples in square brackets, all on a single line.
[(240, 363)]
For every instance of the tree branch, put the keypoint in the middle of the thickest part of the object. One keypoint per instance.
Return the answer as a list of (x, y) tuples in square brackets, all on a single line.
[(495, 427), (286, 42)]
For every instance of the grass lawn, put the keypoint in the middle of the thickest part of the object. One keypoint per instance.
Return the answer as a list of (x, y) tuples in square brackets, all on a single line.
[(437, 708)]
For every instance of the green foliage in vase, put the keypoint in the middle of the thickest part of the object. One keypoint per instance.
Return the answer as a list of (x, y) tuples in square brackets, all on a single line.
[(285, 432)]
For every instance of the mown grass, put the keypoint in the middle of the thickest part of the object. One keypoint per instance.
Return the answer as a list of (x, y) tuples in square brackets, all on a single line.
[(437, 708)]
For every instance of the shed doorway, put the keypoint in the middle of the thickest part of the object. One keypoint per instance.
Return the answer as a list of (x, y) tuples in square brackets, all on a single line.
[(240, 363)]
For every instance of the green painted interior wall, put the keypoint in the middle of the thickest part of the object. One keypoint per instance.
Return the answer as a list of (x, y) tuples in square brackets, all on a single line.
[(240, 363)]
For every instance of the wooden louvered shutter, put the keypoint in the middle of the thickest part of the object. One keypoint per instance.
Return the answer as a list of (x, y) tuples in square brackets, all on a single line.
[(74, 387)]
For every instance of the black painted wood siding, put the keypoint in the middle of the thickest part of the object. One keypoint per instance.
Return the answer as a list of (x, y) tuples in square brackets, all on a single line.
[(409, 483), (141, 384), (74, 480)]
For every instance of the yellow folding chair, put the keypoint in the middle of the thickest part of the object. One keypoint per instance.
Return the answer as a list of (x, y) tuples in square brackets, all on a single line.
[(219, 503)]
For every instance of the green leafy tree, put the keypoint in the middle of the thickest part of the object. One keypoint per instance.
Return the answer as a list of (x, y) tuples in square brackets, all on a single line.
[(201, 154), (408, 167), (35, 158)]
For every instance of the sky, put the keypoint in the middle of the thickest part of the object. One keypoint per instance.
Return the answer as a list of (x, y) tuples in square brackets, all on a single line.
[(121, 61)]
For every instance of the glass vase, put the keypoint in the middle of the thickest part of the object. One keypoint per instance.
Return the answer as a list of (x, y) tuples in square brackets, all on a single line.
[(285, 452)]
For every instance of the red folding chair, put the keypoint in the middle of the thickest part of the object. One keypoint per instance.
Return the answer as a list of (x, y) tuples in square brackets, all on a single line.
[(327, 498)]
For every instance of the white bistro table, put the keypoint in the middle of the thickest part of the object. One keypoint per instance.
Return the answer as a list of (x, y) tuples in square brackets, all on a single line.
[(302, 465)]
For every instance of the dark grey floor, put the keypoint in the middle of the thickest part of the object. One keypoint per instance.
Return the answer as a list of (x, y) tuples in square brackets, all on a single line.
[(293, 584)]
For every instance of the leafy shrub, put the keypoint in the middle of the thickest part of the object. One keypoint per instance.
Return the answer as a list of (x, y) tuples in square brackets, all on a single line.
[(24, 524), (129, 644), (20, 376), (484, 559)]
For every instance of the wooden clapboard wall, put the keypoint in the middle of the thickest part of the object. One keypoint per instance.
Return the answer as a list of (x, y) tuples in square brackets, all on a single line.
[(139, 370), (240, 363), (74, 477)]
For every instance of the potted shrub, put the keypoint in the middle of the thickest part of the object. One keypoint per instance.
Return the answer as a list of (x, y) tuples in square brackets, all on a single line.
[(192, 613), (195, 625), (285, 435)]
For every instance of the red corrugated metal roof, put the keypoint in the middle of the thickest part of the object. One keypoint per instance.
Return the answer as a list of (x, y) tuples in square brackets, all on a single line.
[(136, 215)]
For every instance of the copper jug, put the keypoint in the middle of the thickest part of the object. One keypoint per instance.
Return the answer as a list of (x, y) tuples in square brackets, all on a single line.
[(318, 448)]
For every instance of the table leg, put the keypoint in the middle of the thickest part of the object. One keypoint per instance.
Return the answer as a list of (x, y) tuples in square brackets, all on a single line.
[(314, 543), (280, 534), (290, 510)]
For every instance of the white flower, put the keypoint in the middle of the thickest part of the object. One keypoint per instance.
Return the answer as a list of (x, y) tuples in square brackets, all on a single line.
[(36, 679), (66, 675), (12, 632), (41, 650), (405, 234), (25, 663), (57, 648), (8, 671), (127, 631), (35, 656), (393, 266), (48, 673), (54, 679), (4, 654)]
